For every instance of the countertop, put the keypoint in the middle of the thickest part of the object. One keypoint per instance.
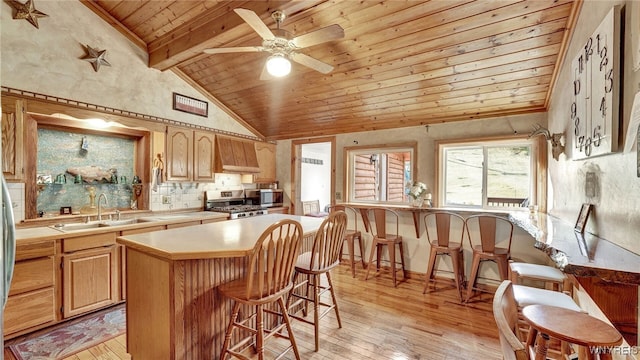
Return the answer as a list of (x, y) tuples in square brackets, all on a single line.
[(581, 255), (233, 238), (35, 234)]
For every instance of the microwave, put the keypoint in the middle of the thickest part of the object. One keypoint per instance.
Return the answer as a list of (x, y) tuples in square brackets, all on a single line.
[(265, 197)]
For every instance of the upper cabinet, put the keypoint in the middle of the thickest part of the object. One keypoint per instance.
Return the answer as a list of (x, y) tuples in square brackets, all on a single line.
[(190, 155), (235, 155), (179, 154), (12, 152), (203, 156), (266, 153)]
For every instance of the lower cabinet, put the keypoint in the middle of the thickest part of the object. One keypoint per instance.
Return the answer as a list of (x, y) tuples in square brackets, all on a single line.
[(90, 280), (31, 302), (279, 210)]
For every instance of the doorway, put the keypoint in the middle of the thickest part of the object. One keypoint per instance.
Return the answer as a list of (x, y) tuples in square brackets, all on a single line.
[(313, 172)]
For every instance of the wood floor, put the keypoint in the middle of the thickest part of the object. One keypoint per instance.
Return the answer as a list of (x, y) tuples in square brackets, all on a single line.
[(381, 322)]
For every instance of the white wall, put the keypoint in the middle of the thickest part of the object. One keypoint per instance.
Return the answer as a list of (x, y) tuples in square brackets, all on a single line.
[(48, 61), (316, 178), (616, 215)]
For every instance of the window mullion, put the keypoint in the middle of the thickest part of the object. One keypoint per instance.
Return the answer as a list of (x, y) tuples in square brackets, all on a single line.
[(485, 174)]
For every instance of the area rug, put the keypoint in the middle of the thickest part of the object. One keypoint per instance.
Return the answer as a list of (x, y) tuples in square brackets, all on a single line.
[(77, 336)]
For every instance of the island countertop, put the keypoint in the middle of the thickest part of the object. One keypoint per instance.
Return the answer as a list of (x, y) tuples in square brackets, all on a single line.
[(233, 238)]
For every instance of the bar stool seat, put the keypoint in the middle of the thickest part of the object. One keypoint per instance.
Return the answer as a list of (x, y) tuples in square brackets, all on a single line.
[(537, 272), (527, 295)]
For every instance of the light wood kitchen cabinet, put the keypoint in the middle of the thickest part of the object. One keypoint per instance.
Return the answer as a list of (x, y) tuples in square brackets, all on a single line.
[(90, 273), (31, 302), (190, 155), (12, 138), (90, 280), (179, 164), (235, 155), (266, 154), (203, 156), (278, 210)]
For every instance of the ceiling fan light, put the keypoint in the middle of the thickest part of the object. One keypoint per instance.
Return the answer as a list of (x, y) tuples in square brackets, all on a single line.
[(278, 65)]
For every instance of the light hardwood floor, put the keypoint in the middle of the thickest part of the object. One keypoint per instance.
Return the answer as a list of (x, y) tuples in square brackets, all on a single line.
[(382, 322)]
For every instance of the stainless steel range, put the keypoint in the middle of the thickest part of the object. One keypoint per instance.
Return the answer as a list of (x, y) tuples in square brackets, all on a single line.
[(231, 202)]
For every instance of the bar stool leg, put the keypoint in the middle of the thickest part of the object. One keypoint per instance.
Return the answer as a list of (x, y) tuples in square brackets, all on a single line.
[(350, 241), (392, 262), (472, 278), (404, 271), (456, 265), (361, 243), (374, 248), (430, 266), (259, 333)]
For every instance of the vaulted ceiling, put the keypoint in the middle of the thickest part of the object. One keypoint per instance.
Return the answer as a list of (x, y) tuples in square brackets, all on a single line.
[(400, 63)]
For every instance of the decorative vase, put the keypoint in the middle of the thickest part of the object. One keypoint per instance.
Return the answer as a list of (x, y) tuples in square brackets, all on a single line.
[(417, 202)]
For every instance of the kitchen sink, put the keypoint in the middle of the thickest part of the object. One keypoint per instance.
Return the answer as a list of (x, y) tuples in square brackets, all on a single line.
[(124, 222), (97, 224), (77, 227)]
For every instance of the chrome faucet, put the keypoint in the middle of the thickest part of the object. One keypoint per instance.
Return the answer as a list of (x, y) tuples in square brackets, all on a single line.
[(101, 196)]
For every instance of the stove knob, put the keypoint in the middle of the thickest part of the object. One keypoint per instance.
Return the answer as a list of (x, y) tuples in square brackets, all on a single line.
[(242, 215), (250, 214)]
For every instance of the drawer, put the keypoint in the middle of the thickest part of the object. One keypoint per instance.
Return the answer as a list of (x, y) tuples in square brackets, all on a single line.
[(29, 309), (34, 250), (179, 225), (143, 230), (31, 275), (88, 242)]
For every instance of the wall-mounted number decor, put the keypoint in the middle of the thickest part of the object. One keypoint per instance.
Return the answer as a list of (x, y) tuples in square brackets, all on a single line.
[(190, 105), (596, 90)]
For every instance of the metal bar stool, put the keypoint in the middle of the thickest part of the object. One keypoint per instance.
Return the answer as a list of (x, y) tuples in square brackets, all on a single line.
[(382, 237), (350, 237)]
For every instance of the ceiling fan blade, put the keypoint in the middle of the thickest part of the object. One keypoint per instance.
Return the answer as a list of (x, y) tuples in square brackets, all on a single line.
[(329, 33), (233, 50), (308, 61), (255, 22)]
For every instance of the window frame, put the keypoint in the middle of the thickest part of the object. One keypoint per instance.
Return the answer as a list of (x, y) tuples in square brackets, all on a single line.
[(349, 155), (538, 168)]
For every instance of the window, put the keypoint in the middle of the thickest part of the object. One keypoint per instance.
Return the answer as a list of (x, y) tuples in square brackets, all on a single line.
[(488, 174), (379, 174)]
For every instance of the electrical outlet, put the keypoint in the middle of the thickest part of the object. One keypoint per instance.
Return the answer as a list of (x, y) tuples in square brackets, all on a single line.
[(338, 195), (166, 199)]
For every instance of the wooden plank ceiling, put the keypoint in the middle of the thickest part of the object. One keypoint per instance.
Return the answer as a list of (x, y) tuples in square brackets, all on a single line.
[(401, 63)]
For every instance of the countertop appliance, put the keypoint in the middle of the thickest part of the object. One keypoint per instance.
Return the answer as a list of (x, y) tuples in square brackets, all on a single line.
[(233, 203), (265, 197), (7, 251)]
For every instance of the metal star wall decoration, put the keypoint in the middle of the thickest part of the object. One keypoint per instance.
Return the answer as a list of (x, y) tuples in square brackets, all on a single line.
[(27, 11), (96, 57)]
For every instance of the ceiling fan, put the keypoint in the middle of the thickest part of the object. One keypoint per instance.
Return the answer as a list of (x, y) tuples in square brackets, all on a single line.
[(282, 46)]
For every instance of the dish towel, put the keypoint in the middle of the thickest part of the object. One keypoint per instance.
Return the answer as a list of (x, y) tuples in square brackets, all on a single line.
[(156, 179)]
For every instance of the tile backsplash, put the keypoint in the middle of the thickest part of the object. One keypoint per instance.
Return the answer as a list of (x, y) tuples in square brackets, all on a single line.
[(176, 196)]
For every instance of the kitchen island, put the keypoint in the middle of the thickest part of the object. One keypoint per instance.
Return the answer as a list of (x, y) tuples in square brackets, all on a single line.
[(174, 310)]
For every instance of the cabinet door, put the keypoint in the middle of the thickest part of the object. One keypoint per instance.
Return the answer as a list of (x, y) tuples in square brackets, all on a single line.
[(12, 119), (90, 280), (266, 154), (179, 154), (203, 154), (239, 156), (30, 309), (250, 154)]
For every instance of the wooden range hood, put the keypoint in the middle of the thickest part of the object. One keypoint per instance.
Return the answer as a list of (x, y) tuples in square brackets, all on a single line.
[(236, 156)]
